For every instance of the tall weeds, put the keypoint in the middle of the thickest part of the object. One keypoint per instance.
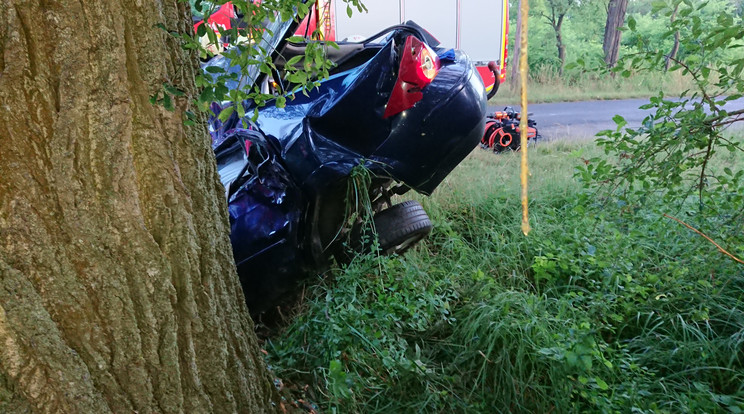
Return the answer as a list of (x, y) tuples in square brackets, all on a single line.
[(603, 308), (546, 85)]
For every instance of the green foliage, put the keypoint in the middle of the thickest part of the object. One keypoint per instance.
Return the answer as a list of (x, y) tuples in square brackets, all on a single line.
[(547, 85), (598, 310), (583, 30), (249, 50), (683, 148)]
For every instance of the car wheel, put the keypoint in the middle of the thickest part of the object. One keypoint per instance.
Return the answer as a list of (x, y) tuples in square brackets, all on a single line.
[(401, 226)]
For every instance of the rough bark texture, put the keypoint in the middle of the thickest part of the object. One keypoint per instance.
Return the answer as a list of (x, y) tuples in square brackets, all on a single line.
[(117, 288), (615, 19), (514, 76)]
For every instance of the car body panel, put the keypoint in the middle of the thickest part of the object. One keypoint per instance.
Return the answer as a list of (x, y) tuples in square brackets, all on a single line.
[(286, 215)]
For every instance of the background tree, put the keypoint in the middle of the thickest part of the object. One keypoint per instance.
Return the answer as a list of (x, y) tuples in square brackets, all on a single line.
[(118, 292), (615, 20), (555, 16), (675, 47), (670, 154)]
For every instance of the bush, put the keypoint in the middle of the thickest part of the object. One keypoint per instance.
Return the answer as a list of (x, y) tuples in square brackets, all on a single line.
[(602, 308)]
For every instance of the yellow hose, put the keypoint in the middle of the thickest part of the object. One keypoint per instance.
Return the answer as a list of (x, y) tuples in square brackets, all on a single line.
[(523, 128)]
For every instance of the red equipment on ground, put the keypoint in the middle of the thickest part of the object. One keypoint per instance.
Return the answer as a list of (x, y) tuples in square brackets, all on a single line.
[(502, 131)]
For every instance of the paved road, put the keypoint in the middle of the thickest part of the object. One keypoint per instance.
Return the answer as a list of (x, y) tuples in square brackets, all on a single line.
[(582, 120)]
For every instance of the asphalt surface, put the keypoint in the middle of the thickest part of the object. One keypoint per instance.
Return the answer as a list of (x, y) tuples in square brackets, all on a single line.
[(582, 120)]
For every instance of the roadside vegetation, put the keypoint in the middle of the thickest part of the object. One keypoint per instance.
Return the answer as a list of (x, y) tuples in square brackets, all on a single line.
[(546, 85), (584, 74), (604, 307), (625, 297)]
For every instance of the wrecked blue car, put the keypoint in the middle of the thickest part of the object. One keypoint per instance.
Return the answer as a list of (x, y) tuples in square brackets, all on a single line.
[(396, 107)]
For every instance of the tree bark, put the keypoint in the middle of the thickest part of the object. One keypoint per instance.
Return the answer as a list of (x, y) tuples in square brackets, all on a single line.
[(514, 74), (559, 43), (615, 19), (117, 288), (675, 47), (558, 10)]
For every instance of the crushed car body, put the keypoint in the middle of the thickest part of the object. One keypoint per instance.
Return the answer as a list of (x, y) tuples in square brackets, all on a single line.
[(395, 105)]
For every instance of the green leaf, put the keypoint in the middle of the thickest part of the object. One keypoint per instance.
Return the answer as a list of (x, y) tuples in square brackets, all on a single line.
[(294, 60), (220, 91), (658, 5), (571, 358), (212, 36), (201, 30), (214, 69), (225, 113), (206, 96), (601, 383), (631, 23), (348, 10), (620, 121), (190, 118), (173, 91), (167, 103), (303, 9)]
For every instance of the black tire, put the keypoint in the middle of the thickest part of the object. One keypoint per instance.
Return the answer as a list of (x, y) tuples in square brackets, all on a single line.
[(401, 226)]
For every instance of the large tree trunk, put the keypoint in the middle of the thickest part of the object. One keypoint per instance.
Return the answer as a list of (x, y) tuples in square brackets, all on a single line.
[(514, 74), (117, 287), (615, 19)]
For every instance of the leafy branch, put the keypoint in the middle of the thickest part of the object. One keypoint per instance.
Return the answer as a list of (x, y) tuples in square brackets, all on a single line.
[(678, 142), (251, 55)]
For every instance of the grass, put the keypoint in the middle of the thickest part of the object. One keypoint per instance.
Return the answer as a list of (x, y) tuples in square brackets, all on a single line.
[(602, 308), (546, 85)]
